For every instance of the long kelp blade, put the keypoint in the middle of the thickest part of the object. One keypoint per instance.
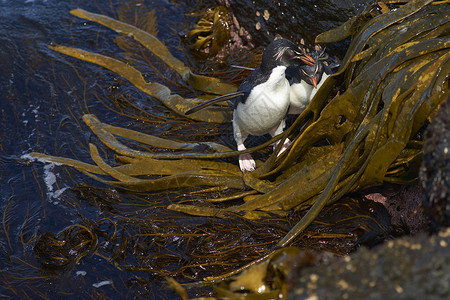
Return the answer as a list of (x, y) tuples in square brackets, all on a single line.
[(151, 140), (107, 138), (175, 102), (143, 166), (68, 162), (187, 179), (150, 166), (199, 82), (182, 180)]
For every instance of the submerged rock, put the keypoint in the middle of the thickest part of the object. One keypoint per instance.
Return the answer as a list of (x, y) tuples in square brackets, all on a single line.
[(405, 268)]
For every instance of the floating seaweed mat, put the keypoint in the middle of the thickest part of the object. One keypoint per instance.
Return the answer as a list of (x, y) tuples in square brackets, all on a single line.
[(393, 77)]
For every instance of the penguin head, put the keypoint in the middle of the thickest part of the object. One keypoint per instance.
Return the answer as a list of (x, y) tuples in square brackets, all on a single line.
[(283, 52), (313, 74)]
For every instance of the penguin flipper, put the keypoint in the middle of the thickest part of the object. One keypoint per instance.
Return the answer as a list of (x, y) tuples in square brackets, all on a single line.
[(213, 101)]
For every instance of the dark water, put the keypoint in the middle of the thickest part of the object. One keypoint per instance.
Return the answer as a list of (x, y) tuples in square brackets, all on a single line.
[(43, 95)]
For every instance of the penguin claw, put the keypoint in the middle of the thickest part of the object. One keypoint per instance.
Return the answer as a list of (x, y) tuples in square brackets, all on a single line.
[(246, 163)]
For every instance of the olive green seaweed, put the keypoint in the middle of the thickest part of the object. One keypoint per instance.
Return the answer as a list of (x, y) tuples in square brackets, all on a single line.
[(212, 31), (199, 82), (107, 132), (393, 78), (173, 101)]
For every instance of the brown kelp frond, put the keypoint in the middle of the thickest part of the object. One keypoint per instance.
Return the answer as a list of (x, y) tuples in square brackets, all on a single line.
[(154, 141), (388, 99), (179, 173), (173, 101), (180, 168), (391, 81), (199, 82), (211, 32)]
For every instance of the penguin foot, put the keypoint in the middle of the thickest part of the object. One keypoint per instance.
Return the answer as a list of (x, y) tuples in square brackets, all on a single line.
[(246, 163)]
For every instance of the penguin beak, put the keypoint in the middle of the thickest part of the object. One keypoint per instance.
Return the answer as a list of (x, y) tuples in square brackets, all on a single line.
[(314, 81), (308, 60)]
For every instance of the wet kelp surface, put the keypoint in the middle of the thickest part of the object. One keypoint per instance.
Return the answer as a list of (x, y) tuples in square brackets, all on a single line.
[(392, 79)]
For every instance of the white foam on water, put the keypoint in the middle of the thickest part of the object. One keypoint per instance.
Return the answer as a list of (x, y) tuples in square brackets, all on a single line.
[(102, 283), (35, 111), (49, 177), (30, 113), (32, 1)]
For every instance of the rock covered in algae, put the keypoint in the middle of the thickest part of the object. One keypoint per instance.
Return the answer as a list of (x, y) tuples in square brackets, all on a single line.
[(435, 170), (406, 268)]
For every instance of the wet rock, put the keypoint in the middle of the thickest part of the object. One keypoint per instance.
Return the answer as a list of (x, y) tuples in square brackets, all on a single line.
[(405, 268), (404, 204), (435, 169), (296, 20)]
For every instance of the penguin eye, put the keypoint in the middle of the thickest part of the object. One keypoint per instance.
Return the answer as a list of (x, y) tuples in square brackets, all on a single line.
[(291, 52)]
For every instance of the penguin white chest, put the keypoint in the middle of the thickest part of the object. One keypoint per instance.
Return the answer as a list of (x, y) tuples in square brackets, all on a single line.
[(300, 95), (266, 106)]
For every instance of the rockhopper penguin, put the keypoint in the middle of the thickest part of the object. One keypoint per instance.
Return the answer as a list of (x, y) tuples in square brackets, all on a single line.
[(262, 100), (305, 80)]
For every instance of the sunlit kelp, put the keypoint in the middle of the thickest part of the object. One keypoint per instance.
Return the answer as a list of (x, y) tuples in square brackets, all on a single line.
[(212, 31), (203, 83), (371, 126), (393, 78)]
